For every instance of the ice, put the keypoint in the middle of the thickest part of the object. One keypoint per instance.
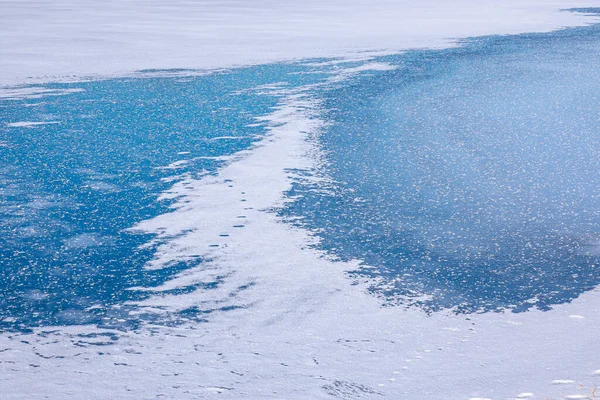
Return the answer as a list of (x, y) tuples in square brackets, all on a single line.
[(85, 240), (102, 186), (300, 325), (32, 92), (286, 320), (465, 196)]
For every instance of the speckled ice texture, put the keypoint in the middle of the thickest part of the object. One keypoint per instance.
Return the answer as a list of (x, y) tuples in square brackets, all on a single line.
[(294, 325)]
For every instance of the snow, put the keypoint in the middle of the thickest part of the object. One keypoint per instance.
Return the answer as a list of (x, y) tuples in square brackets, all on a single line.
[(29, 124), (45, 40)]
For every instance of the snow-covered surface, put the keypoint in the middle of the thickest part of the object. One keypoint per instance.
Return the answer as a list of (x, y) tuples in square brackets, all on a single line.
[(52, 39), (305, 332)]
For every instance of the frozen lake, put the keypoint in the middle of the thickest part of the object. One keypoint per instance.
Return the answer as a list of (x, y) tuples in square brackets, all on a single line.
[(406, 225)]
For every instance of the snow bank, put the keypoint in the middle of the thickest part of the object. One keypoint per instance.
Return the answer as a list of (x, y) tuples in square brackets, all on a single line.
[(45, 40)]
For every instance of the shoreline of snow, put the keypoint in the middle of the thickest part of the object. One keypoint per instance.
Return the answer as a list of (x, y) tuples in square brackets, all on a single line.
[(64, 40)]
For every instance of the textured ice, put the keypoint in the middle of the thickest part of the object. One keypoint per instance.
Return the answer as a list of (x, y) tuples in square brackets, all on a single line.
[(256, 309), (71, 190), (468, 175)]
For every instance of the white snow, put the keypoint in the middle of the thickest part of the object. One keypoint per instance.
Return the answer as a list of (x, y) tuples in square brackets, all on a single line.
[(33, 92), (44, 40), (29, 124), (524, 395)]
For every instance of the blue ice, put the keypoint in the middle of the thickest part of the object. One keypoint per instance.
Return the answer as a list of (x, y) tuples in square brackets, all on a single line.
[(69, 189), (468, 178)]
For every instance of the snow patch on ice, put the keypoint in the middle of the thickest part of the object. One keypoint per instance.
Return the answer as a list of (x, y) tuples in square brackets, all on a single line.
[(33, 92), (524, 395), (30, 124)]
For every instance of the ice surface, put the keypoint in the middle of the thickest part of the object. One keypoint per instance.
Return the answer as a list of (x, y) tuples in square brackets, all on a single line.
[(71, 189), (284, 320), (302, 331), (468, 175)]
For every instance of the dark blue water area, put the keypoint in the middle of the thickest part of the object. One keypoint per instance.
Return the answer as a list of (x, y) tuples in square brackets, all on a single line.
[(69, 189), (467, 178)]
